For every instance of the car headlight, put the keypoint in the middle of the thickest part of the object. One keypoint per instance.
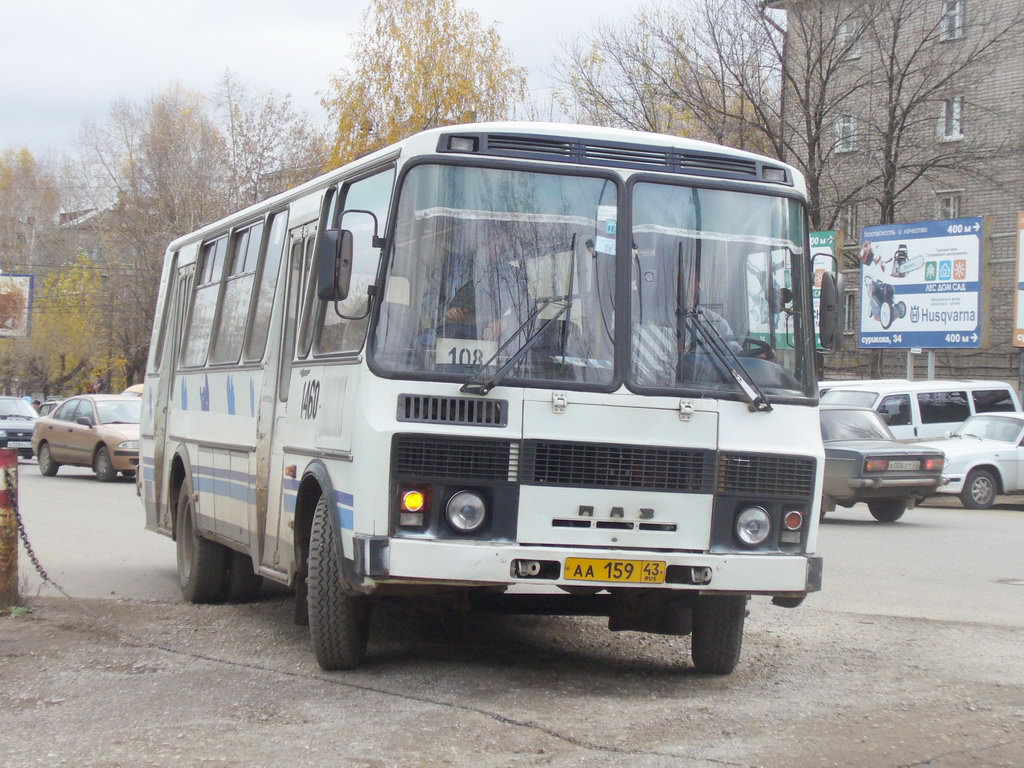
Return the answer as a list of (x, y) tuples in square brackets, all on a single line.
[(466, 511), (128, 445), (753, 526)]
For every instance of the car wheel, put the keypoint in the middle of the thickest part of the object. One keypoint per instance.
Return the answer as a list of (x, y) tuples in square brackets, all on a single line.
[(887, 510), (339, 620), (103, 466), (979, 489), (47, 466), (717, 633), (202, 564)]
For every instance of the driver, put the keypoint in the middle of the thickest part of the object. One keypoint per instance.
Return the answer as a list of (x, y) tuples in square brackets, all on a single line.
[(488, 294)]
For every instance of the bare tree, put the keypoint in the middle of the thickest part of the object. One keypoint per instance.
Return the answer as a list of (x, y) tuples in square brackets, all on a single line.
[(269, 146), (625, 76), (718, 70), (924, 64)]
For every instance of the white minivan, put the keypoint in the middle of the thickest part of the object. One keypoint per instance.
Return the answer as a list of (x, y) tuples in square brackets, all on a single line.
[(925, 409)]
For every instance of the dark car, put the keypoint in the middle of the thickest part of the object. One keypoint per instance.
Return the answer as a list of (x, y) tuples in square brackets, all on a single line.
[(864, 463), (17, 419)]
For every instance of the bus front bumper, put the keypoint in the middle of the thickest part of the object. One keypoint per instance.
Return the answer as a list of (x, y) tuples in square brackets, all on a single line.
[(458, 563)]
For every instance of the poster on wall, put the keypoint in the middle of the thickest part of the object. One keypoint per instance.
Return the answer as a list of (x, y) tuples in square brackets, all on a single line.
[(825, 250), (15, 305), (1018, 305), (921, 285)]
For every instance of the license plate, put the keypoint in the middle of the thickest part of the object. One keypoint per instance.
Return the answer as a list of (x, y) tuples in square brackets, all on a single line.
[(904, 465), (620, 571), (19, 444)]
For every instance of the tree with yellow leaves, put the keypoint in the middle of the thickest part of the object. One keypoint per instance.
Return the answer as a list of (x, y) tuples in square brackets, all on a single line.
[(419, 64), (68, 348)]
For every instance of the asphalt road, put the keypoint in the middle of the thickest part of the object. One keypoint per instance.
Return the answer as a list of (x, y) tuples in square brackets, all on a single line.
[(909, 656), (940, 562)]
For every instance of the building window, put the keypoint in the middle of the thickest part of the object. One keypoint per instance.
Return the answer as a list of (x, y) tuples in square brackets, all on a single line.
[(848, 221), (948, 204), (951, 120), (846, 133), (850, 315), (848, 39), (953, 24)]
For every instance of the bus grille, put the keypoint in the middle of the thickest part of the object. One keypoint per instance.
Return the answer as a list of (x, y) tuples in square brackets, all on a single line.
[(756, 474), (600, 465), (426, 457), (464, 411)]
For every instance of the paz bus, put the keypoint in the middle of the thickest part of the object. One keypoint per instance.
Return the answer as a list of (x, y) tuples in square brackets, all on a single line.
[(511, 367)]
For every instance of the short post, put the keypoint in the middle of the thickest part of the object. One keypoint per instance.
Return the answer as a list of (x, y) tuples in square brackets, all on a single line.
[(8, 528)]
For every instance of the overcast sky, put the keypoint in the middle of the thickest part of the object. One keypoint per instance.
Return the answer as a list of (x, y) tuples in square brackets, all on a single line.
[(62, 62)]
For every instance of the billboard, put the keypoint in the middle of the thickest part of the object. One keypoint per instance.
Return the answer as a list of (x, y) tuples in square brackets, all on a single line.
[(15, 305), (1018, 305), (921, 285)]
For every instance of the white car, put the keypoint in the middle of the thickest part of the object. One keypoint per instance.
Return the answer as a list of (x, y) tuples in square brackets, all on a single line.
[(984, 457)]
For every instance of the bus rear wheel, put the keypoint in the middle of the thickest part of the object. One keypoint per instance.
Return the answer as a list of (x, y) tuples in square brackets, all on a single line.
[(202, 564), (339, 619), (717, 633)]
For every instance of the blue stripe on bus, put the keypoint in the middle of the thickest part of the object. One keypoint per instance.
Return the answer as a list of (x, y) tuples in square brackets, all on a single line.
[(245, 493), (224, 474)]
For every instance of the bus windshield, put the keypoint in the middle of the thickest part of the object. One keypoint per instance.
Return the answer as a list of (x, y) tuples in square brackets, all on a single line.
[(489, 264), (724, 261)]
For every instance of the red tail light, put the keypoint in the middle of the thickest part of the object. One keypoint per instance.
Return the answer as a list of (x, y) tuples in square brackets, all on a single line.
[(933, 463), (876, 465)]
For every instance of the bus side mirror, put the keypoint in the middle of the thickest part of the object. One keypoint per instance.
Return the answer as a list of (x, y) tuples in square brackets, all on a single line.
[(334, 264), (830, 311)]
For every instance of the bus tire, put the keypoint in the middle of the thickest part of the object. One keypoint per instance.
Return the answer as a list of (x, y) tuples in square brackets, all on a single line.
[(887, 510), (202, 564), (718, 633), (47, 466), (339, 620), (243, 582)]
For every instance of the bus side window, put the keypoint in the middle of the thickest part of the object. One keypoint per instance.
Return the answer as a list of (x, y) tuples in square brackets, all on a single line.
[(234, 306), (204, 302), (267, 282), (334, 333)]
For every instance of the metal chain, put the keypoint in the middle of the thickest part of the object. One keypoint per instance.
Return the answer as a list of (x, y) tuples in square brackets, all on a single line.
[(23, 535)]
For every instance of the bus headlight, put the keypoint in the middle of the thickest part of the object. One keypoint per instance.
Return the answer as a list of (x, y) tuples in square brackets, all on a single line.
[(753, 526), (466, 511)]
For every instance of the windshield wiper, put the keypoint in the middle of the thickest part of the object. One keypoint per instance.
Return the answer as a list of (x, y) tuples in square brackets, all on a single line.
[(478, 384), (713, 339)]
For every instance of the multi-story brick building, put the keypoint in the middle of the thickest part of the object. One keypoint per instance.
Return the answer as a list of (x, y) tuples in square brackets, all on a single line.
[(960, 148)]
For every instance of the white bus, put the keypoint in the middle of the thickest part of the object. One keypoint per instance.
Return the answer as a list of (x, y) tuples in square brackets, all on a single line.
[(514, 367)]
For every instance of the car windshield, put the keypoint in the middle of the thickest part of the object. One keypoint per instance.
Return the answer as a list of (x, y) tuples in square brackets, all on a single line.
[(852, 425), (119, 411), (16, 409), (998, 428), (487, 262), (725, 261), (849, 397)]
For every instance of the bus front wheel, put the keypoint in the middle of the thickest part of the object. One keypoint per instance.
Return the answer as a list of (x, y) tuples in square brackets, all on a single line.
[(339, 619), (717, 633)]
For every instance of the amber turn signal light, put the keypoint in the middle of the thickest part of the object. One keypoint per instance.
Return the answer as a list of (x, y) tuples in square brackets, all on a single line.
[(413, 501)]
